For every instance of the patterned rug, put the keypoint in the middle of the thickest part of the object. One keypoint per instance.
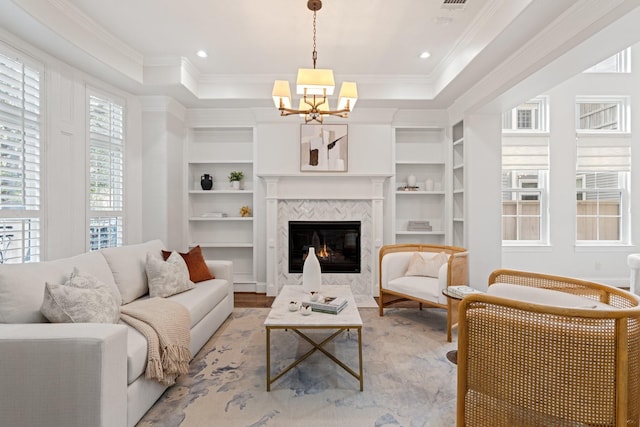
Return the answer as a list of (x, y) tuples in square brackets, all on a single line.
[(408, 380)]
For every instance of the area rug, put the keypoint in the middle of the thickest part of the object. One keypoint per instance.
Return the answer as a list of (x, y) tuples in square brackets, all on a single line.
[(408, 380)]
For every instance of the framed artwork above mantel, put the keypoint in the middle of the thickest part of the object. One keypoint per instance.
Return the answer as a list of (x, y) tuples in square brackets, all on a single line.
[(323, 148)]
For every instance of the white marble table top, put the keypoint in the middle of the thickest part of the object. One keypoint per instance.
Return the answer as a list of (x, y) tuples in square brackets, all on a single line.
[(281, 316)]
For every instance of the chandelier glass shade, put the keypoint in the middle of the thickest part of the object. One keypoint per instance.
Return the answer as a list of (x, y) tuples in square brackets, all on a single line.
[(315, 85)]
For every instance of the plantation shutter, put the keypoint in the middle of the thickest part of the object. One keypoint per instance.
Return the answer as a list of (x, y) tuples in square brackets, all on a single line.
[(525, 153), (19, 135), (105, 155), (603, 154), (106, 172)]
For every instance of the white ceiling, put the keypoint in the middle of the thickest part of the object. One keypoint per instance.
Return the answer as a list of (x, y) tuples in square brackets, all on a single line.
[(148, 46)]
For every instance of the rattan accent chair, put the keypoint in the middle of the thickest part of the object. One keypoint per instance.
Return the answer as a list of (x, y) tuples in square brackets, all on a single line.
[(530, 364), (393, 263)]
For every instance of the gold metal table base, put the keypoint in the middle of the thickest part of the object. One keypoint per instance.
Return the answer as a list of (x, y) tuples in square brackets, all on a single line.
[(317, 346)]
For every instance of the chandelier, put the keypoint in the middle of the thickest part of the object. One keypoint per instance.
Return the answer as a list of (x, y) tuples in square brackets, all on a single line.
[(314, 84)]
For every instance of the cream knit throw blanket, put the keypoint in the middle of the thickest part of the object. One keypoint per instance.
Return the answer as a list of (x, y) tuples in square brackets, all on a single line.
[(165, 325)]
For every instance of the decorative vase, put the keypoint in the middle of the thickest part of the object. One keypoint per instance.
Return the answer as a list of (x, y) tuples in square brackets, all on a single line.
[(411, 181), (235, 185), (428, 184), (206, 182), (311, 272)]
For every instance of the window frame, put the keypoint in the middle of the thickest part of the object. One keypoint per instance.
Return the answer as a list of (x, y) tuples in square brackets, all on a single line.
[(622, 60), (541, 125), (98, 217), (543, 198), (623, 103), (624, 214), (24, 223)]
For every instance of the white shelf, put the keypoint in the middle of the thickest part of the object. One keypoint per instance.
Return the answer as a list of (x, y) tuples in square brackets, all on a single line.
[(220, 162), (246, 192), (423, 153), (227, 218), (420, 233), (217, 151), (419, 163), (421, 193), (458, 141), (221, 245)]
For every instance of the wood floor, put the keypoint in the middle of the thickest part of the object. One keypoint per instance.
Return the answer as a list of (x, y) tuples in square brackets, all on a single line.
[(251, 299)]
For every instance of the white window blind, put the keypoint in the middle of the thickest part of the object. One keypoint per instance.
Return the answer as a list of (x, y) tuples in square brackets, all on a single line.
[(106, 172), (609, 154), (20, 134), (524, 153)]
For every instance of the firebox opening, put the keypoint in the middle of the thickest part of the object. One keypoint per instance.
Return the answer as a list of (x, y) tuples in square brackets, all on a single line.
[(336, 243)]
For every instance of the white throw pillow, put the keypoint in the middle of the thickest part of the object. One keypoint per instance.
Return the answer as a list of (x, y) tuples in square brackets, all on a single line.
[(419, 266), (81, 299), (168, 277)]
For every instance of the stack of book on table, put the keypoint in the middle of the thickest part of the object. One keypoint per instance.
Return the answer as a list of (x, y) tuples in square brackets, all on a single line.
[(331, 305), (462, 291)]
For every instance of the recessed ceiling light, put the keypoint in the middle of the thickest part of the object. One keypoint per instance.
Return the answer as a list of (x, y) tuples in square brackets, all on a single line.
[(425, 55), (201, 53)]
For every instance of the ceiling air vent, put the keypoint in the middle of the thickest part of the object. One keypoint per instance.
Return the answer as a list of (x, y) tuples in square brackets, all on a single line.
[(453, 4)]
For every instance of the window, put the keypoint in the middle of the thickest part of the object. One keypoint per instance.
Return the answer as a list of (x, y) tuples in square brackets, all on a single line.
[(530, 116), (20, 123), (601, 115), (106, 172), (618, 63), (525, 164), (602, 190)]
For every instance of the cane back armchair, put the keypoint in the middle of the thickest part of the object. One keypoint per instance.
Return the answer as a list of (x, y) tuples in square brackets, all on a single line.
[(571, 361)]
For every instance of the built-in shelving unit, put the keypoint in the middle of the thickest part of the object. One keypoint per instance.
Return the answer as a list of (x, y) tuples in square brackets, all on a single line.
[(213, 216), (458, 238), (420, 153)]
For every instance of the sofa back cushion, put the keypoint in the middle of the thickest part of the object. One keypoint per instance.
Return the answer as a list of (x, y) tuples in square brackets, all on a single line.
[(22, 285), (127, 264)]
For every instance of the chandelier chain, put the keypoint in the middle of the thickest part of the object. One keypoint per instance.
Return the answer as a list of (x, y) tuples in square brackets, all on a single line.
[(315, 54)]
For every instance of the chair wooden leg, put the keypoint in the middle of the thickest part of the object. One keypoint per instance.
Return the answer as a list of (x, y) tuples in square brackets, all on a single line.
[(420, 305), (381, 304)]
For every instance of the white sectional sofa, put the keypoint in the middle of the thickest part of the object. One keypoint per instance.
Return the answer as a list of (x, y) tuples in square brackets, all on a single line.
[(89, 374)]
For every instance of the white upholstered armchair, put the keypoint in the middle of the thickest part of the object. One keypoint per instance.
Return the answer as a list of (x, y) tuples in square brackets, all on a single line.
[(401, 280)]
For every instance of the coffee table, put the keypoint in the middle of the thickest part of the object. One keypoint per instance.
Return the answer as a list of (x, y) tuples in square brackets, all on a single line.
[(281, 318)]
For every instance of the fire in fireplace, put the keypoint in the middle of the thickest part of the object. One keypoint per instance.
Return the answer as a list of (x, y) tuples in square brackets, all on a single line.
[(336, 243)]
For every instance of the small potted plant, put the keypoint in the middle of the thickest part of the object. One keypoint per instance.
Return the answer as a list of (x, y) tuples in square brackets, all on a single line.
[(234, 178)]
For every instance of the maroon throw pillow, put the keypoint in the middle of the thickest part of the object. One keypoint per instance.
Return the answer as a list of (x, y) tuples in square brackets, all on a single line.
[(198, 270)]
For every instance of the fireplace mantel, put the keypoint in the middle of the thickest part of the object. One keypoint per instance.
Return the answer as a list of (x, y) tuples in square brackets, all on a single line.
[(323, 188), (318, 185)]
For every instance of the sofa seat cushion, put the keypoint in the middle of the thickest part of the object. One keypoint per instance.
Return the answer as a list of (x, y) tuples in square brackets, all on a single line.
[(22, 285), (127, 264), (202, 298), (545, 296), (199, 301), (426, 288)]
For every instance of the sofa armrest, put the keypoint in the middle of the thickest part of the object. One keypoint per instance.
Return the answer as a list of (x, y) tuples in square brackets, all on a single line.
[(63, 374), (221, 269)]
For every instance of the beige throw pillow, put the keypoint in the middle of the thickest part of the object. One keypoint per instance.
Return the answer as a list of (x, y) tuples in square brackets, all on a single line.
[(168, 277), (81, 299), (419, 266)]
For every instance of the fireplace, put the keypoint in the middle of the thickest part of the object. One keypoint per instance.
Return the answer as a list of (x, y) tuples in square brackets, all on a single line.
[(336, 243)]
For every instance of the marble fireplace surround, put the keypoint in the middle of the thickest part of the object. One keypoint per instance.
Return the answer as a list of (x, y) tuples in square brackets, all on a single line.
[(324, 197)]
